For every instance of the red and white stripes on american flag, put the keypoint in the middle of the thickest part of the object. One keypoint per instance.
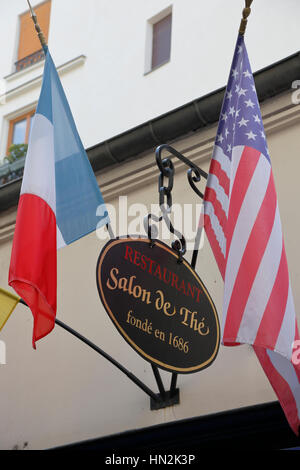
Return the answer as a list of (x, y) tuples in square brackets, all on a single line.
[(242, 223)]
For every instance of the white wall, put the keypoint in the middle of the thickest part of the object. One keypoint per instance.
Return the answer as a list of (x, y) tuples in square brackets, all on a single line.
[(110, 93)]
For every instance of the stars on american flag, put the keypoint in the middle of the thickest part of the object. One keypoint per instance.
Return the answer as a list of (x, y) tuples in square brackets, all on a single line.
[(251, 135), (240, 121), (243, 122), (247, 74), (235, 73), (249, 104), (242, 92)]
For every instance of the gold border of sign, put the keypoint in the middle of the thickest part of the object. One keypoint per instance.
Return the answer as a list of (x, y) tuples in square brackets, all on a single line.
[(103, 253)]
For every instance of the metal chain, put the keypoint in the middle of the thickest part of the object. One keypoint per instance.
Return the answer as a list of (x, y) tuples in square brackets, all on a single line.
[(167, 172)]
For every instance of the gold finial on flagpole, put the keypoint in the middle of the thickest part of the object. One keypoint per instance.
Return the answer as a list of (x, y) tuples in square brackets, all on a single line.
[(37, 27), (246, 13)]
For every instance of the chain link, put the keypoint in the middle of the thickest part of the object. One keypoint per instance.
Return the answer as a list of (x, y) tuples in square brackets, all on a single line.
[(167, 172), (165, 192)]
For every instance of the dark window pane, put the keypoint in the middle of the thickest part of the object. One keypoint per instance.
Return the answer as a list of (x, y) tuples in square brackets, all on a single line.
[(19, 132), (161, 46)]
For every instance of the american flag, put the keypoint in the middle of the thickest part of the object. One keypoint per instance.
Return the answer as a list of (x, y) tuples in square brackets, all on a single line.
[(242, 223)]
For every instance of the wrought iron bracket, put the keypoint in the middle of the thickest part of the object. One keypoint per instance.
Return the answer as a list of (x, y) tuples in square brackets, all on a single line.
[(167, 171), (169, 399)]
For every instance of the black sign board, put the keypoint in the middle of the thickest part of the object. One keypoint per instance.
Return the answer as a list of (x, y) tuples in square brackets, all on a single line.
[(161, 307)]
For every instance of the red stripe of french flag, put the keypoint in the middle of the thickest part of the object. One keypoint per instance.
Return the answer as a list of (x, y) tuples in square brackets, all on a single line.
[(33, 270)]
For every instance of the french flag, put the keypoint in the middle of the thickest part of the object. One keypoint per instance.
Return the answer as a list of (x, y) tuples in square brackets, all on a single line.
[(58, 202)]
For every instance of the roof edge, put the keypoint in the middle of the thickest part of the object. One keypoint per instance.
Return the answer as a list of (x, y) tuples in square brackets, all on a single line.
[(199, 113)]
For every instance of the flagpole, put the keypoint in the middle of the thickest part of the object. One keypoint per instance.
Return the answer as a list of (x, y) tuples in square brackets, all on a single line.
[(246, 13), (37, 28)]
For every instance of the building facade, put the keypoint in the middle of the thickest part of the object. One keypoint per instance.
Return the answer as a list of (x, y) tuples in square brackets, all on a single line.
[(137, 74)]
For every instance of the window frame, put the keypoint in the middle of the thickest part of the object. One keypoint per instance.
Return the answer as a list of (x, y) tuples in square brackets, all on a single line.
[(28, 115), (150, 39), (154, 39)]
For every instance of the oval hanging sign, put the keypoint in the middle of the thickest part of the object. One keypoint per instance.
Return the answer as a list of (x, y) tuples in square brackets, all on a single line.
[(161, 307)]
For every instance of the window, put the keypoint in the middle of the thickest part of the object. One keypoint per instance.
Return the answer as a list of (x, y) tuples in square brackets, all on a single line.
[(30, 50), (161, 41), (158, 41), (19, 129)]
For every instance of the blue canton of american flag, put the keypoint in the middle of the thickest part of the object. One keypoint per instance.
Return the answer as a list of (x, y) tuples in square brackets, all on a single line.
[(242, 224), (241, 122)]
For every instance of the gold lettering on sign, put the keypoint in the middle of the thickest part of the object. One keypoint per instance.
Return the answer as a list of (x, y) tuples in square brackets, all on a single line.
[(160, 304), (146, 326), (127, 285), (191, 321)]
